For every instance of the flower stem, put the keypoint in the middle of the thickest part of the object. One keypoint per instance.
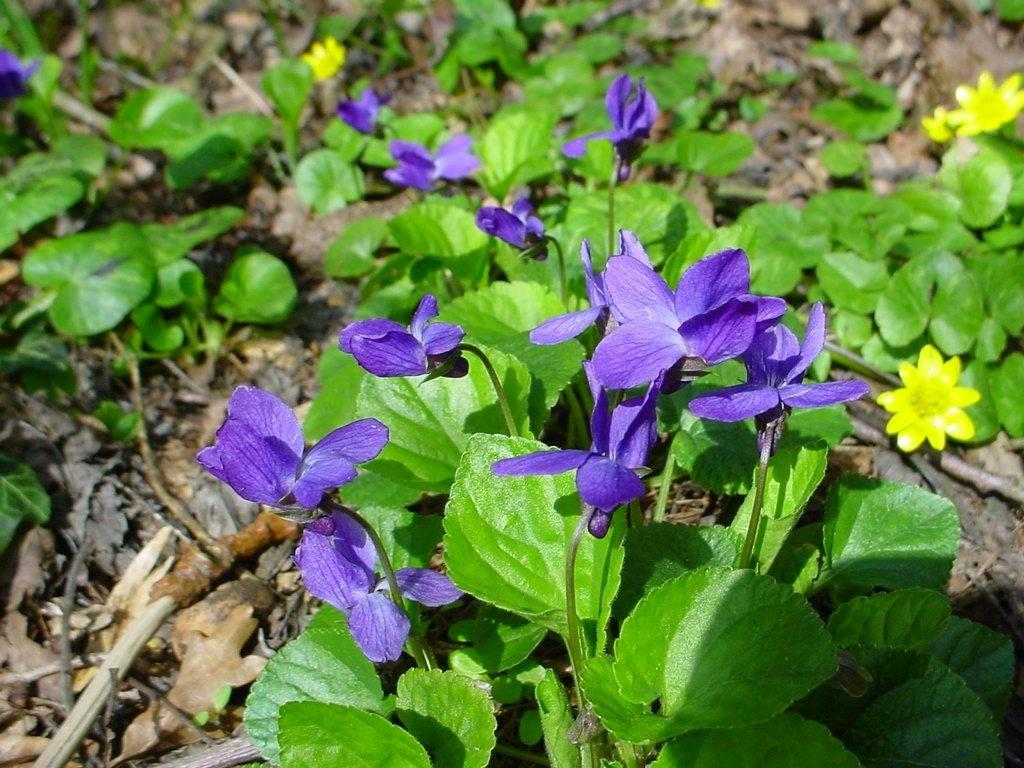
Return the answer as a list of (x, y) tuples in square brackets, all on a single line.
[(499, 390), (416, 647), (755, 513), (574, 640), (616, 166), (666, 484), (561, 270)]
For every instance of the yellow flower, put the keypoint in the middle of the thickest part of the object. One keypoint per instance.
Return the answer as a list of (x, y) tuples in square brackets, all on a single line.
[(937, 126), (988, 107), (710, 4), (930, 405), (325, 58)]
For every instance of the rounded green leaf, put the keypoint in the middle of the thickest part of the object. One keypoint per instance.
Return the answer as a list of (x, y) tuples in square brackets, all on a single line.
[(713, 154), (984, 184), (156, 118), (323, 664), (906, 618), (515, 148), (22, 497), (258, 288), (351, 254), (982, 657), (317, 734), (502, 640), (437, 228), (449, 715), (844, 158), (786, 741), (506, 538), (715, 648), (325, 182)]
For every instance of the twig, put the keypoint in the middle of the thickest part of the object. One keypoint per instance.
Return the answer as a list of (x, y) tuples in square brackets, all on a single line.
[(224, 755), (986, 482), (83, 114), (68, 599), (858, 364), (236, 80), (30, 676)]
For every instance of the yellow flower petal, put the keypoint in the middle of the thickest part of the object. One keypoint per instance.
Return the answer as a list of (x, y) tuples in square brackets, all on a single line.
[(894, 400), (910, 439), (962, 397), (986, 83), (951, 371), (1010, 86), (908, 374), (959, 425), (936, 435), (901, 421), (929, 362)]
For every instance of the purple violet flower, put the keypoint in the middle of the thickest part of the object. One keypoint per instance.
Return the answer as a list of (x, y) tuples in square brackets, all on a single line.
[(776, 364), (418, 169), (338, 565), (568, 326), (362, 114), (385, 348), (710, 318), (261, 454), (605, 475), (632, 112), (519, 228), (14, 75)]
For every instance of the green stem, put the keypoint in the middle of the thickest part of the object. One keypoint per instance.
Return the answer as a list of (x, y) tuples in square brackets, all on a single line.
[(636, 516), (755, 513), (858, 364), (561, 270), (499, 390), (575, 641), (416, 647), (576, 418), (521, 754), (616, 166), (666, 484)]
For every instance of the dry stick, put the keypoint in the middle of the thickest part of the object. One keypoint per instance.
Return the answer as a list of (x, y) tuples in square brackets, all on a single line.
[(193, 575), (236, 80), (953, 465), (31, 675), (224, 755), (70, 585)]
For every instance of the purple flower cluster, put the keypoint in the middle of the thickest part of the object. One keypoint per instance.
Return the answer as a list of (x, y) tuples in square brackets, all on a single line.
[(517, 227), (14, 75), (362, 114), (419, 169)]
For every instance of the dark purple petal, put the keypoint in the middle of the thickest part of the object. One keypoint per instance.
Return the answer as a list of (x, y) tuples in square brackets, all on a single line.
[(442, 338), (266, 415), (564, 327), (594, 283), (829, 393), (319, 476), (606, 483), (454, 160), (521, 208), (735, 403), (328, 574), (375, 328), (722, 333), (577, 147), (352, 541), (360, 441), (813, 343), (629, 245), (357, 115), (634, 429), (599, 523), (540, 463), (534, 228), (426, 310), (259, 469), (642, 112), (409, 151), (503, 225), (599, 420), (427, 587), (769, 309), (637, 353), (637, 292), (379, 627), (396, 354), (711, 282), (407, 175), (615, 99), (211, 460)]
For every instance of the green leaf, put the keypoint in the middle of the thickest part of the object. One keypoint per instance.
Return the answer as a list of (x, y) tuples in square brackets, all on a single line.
[(317, 734), (501, 316), (1010, 10), (326, 183), (1007, 384), (121, 424), (288, 85), (98, 277), (862, 116), (515, 148), (786, 741), (410, 539), (352, 253), (448, 715), (156, 118), (258, 288), (26, 206), (902, 313), (22, 497), (957, 312), (323, 664), (221, 151), (169, 242), (555, 720), (502, 640), (716, 648), (713, 154), (431, 421), (794, 473), (906, 618), (880, 534), (506, 539), (852, 282), (844, 158), (658, 552), (982, 657), (984, 184), (437, 228)]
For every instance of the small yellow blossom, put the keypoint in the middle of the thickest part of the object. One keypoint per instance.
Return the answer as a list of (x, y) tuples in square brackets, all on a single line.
[(987, 107), (710, 4), (930, 404), (325, 58), (937, 126)]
